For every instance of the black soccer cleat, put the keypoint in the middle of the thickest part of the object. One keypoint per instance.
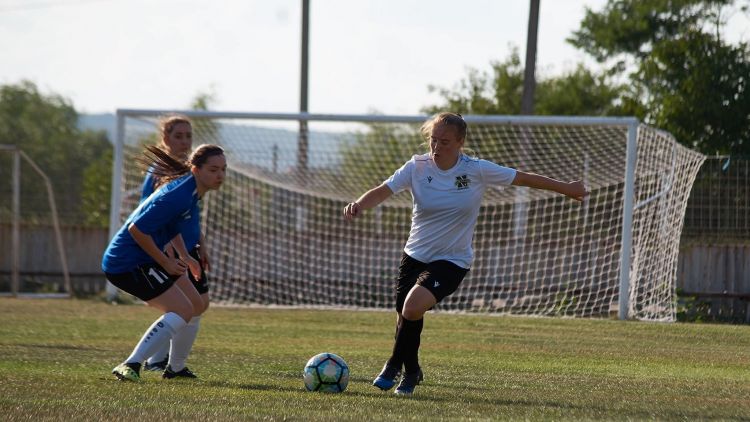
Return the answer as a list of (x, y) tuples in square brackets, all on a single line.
[(183, 373), (157, 366)]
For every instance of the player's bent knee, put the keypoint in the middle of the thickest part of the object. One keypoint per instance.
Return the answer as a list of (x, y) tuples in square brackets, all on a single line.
[(185, 310), (412, 314)]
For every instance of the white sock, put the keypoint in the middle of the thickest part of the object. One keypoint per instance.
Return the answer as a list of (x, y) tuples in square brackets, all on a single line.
[(158, 334), (182, 344), (160, 355)]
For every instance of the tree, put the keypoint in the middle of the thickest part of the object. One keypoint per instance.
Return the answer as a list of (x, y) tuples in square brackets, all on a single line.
[(45, 128), (577, 92), (683, 77), (206, 130), (373, 155)]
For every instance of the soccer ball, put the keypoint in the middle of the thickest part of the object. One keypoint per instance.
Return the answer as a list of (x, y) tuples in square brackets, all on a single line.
[(326, 372)]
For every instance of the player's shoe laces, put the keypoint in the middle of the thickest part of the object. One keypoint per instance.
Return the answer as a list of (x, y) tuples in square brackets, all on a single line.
[(387, 377), (183, 373), (157, 366), (409, 382), (127, 372)]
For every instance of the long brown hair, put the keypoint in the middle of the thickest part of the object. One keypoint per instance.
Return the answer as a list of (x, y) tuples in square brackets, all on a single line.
[(166, 168)]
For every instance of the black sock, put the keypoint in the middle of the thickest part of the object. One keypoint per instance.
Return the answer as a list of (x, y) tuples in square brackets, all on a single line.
[(134, 366), (406, 348)]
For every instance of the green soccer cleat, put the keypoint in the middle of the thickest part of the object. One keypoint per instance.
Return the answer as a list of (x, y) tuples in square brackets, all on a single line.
[(127, 372)]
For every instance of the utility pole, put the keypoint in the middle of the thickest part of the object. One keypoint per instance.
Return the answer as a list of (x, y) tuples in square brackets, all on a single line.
[(529, 82), (302, 143)]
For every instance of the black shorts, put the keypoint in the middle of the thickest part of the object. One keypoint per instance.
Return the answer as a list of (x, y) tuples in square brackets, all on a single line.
[(201, 284), (440, 277), (145, 282)]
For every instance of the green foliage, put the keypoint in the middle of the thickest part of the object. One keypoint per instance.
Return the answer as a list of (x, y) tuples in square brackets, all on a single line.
[(95, 191), (684, 78), (205, 131), (578, 92), (373, 155), (45, 128), (681, 75), (692, 308), (634, 27), (697, 90)]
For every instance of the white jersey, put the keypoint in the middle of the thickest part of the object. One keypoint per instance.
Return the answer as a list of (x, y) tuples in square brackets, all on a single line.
[(446, 205)]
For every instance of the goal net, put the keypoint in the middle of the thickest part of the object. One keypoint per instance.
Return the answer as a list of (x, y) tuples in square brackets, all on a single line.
[(276, 234)]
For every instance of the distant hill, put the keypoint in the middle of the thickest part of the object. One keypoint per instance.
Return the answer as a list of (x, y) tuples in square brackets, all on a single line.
[(105, 121), (269, 147)]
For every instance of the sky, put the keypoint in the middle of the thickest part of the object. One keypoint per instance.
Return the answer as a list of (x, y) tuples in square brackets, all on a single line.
[(365, 55)]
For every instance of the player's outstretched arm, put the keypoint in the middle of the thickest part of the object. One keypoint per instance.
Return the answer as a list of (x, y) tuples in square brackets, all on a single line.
[(372, 198), (575, 189)]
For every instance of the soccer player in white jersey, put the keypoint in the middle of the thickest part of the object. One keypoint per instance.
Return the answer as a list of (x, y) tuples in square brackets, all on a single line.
[(135, 261), (447, 187)]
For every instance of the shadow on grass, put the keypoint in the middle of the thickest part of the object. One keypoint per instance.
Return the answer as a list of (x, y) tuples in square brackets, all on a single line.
[(246, 386), (60, 347), (586, 408)]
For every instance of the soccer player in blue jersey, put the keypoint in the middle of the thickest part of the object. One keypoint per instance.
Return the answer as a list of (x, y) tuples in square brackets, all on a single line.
[(135, 261), (447, 187), (176, 135), (176, 139)]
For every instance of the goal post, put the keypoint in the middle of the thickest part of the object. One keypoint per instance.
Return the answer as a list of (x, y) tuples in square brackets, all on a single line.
[(277, 237), (33, 219)]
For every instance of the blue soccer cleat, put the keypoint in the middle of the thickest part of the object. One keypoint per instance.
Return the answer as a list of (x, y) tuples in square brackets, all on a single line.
[(387, 377), (409, 382)]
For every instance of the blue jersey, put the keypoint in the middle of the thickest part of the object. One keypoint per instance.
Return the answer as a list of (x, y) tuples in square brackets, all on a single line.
[(171, 210), (148, 184), (191, 229), (191, 233)]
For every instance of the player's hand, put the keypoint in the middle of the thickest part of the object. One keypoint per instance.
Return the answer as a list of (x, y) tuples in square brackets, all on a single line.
[(169, 251), (174, 266), (194, 266), (352, 210), (577, 190)]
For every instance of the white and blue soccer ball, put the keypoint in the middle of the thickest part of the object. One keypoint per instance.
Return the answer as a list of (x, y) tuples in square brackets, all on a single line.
[(326, 372)]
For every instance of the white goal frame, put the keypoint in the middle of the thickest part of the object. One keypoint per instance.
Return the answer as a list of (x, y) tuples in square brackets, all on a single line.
[(628, 205)]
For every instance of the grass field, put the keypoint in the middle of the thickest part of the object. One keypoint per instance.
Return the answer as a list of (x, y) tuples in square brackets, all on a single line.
[(56, 357)]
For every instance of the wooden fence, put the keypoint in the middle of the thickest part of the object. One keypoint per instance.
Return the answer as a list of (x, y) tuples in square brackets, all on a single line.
[(40, 266), (718, 275), (715, 273)]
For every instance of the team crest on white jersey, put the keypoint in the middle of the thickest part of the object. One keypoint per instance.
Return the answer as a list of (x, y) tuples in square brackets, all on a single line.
[(462, 182)]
